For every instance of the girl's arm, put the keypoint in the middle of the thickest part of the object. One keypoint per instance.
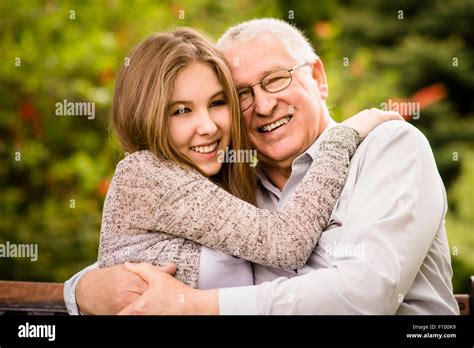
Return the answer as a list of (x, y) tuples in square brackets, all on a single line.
[(163, 197)]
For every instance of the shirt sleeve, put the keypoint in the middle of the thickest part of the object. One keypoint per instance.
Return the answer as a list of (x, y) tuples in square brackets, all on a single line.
[(69, 292), (396, 207), (238, 301), (159, 196)]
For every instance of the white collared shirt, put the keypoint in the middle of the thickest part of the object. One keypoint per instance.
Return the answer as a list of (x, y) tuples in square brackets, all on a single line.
[(386, 251)]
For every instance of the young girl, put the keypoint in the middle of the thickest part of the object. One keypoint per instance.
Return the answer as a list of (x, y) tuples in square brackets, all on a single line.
[(175, 108)]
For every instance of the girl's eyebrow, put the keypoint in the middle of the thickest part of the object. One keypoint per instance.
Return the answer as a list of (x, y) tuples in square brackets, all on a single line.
[(180, 102), (217, 93), (190, 102)]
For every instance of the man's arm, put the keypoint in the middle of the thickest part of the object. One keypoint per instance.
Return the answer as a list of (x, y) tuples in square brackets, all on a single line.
[(394, 212), (70, 286), (107, 290)]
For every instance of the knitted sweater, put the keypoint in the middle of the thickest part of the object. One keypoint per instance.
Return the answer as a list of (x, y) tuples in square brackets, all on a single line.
[(158, 212)]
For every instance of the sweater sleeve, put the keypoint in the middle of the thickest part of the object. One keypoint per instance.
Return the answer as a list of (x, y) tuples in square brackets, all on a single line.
[(164, 197)]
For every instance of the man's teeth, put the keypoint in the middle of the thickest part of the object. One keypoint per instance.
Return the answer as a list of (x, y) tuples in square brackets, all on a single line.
[(272, 126), (205, 149)]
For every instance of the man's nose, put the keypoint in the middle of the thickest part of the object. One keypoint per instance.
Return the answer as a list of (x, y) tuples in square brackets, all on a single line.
[(264, 102), (205, 123)]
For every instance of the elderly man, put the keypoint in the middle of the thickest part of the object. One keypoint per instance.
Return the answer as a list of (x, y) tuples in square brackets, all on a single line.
[(386, 251)]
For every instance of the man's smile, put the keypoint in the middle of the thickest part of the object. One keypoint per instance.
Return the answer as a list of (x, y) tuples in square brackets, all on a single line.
[(270, 127)]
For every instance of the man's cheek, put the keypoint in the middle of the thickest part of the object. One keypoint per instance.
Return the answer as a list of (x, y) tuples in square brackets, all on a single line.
[(247, 117)]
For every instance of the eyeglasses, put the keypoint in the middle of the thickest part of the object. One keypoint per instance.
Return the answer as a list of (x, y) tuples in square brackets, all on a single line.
[(274, 82)]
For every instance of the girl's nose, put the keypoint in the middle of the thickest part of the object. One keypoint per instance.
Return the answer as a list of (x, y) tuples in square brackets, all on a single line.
[(205, 124)]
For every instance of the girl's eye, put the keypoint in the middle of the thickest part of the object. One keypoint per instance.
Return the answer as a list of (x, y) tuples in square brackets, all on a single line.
[(218, 103), (181, 110)]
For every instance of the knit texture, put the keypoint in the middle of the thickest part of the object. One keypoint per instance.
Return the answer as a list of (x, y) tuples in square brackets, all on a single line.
[(158, 212)]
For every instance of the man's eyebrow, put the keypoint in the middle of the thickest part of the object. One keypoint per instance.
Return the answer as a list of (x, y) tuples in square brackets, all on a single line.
[(272, 69), (174, 102), (261, 76)]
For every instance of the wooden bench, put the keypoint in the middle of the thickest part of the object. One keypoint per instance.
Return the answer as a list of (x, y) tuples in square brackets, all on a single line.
[(466, 301), (31, 298)]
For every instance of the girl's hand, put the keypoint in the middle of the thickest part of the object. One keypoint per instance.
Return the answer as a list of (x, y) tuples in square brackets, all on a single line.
[(368, 119), (166, 295)]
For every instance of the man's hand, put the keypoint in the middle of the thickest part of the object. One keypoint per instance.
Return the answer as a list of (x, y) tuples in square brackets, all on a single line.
[(109, 290), (167, 296)]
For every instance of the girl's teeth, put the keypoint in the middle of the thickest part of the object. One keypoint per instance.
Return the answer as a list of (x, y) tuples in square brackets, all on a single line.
[(205, 149)]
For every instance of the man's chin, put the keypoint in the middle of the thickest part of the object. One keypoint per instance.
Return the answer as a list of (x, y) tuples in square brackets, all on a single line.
[(276, 157)]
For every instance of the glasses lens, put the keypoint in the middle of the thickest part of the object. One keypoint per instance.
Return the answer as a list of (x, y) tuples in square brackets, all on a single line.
[(245, 98), (276, 81)]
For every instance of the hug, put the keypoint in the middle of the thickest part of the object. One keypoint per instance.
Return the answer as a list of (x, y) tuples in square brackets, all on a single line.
[(184, 232)]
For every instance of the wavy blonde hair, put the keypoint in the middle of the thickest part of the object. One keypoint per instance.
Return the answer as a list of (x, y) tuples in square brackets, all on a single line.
[(141, 108)]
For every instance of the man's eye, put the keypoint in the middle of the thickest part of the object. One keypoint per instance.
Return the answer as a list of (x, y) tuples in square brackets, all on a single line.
[(218, 103), (244, 93), (275, 80), (181, 110)]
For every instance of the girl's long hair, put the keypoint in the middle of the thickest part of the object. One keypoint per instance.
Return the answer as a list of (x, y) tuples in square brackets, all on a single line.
[(141, 109)]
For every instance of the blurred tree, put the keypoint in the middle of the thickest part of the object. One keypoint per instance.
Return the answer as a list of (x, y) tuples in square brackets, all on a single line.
[(55, 170)]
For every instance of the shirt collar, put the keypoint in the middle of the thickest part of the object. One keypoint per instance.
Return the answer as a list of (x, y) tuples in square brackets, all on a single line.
[(313, 150), (308, 155)]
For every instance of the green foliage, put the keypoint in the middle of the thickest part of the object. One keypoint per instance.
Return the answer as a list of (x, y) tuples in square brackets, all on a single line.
[(461, 221), (55, 169)]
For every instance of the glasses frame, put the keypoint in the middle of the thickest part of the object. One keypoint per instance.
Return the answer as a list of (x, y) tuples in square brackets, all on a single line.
[(252, 93)]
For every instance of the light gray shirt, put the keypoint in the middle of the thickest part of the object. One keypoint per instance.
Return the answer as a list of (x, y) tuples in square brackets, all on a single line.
[(218, 269), (385, 250)]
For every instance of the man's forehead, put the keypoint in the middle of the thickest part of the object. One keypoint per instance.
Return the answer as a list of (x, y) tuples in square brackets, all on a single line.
[(257, 57)]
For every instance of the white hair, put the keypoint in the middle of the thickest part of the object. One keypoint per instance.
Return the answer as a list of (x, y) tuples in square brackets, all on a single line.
[(293, 39)]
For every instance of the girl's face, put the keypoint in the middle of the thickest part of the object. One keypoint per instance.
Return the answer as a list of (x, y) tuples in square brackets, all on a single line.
[(200, 120)]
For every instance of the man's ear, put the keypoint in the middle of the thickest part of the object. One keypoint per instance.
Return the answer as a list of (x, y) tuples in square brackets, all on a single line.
[(320, 77)]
